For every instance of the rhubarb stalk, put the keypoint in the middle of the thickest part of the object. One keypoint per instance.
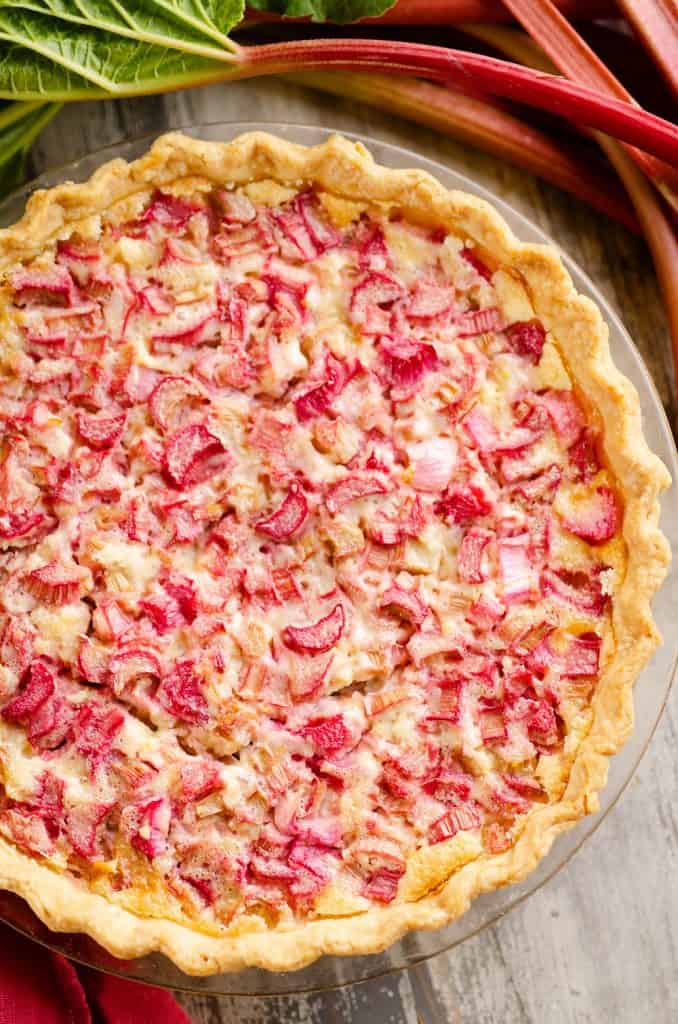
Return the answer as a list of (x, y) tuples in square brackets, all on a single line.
[(656, 226), (655, 22), (574, 57), (451, 12), (480, 123), (474, 71)]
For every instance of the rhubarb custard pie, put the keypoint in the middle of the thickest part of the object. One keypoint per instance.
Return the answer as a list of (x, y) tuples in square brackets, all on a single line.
[(328, 535)]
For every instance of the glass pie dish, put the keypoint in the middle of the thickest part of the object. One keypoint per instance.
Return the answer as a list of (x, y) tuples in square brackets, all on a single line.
[(652, 687)]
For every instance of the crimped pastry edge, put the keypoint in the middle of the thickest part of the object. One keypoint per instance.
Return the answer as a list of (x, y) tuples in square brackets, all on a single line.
[(346, 169)]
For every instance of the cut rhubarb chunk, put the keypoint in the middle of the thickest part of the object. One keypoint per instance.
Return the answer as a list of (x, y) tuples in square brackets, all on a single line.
[(406, 364), (181, 692), (318, 637), (594, 516), (433, 463), (100, 431), (287, 519), (193, 455), (55, 583), (353, 488), (526, 338)]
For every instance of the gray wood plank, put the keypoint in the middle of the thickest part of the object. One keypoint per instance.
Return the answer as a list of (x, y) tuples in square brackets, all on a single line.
[(599, 943)]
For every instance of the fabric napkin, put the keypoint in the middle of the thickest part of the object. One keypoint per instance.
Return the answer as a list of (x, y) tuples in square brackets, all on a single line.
[(41, 987)]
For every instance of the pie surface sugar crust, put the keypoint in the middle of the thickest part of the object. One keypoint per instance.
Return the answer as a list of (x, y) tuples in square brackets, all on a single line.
[(327, 540)]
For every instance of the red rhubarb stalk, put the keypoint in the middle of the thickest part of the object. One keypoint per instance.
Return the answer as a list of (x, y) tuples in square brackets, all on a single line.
[(482, 123), (574, 57), (655, 22), (476, 72), (655, 224), (454, 12)]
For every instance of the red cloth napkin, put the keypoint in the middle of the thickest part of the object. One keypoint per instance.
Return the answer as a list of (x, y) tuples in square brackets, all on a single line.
[(41, 987)]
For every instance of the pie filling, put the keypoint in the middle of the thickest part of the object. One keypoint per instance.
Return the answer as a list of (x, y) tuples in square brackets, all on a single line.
[(306, 555)]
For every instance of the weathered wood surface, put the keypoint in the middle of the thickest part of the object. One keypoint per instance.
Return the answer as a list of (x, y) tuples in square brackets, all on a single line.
[(599, 943)]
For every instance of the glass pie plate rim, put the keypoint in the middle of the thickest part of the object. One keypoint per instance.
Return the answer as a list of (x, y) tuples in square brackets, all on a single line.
[(651, 692)]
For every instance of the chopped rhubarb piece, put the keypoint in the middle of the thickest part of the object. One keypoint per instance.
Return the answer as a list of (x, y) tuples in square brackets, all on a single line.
[(328, 734), (302, 235), (428, 643), (584, 457), (374, 291), (199, 778), (181, 692), (382, 886), (582, 657), (517, 570), (16, 647), (526, 338), (433, 463), (475, 261), (542, 726), (470, 555), (163, 611), (39, 686), (22, 525), (595, 517), (130, 664), (287, 519), (151, 824), (480, 321), (526, 786), (268, 432), (53, 286), (406, 603), (481, 429), (539, 487), (492, 726), (580, 591), (235, 207), (202, 330), (100, 431), (172, 212), (406, 363), (496, 837), (184, 592), (55, 583), (318, 637), (82, 824), (352, 488), (566, 415), (272, 868), (323, 234), (318, 399), (429, 301), (308, 677), (486, 612), (312, 857), (96, 729), (456, 819), (171, 399), (463, 503), (92, 661), (193, 455)]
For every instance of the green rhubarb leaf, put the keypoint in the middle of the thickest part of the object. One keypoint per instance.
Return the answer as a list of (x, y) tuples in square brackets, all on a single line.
[(338, 11), (189, 25), (46, 58), (19, 125)]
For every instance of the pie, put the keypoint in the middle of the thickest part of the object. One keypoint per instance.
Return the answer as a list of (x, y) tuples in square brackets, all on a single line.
[(327, 543)]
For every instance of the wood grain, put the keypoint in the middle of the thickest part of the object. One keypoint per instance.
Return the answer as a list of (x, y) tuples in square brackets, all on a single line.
[(599, 943)]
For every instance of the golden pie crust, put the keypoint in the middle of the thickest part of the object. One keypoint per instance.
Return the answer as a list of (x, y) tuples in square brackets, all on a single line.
[(442, 880)]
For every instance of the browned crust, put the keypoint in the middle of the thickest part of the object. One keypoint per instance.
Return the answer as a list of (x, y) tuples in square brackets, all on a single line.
[(575, 324)]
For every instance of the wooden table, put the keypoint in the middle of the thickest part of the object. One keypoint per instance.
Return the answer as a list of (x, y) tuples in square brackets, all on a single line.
[(599, 943)]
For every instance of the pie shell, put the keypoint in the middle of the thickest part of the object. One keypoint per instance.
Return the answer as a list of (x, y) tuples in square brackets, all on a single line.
[(347, 170)]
